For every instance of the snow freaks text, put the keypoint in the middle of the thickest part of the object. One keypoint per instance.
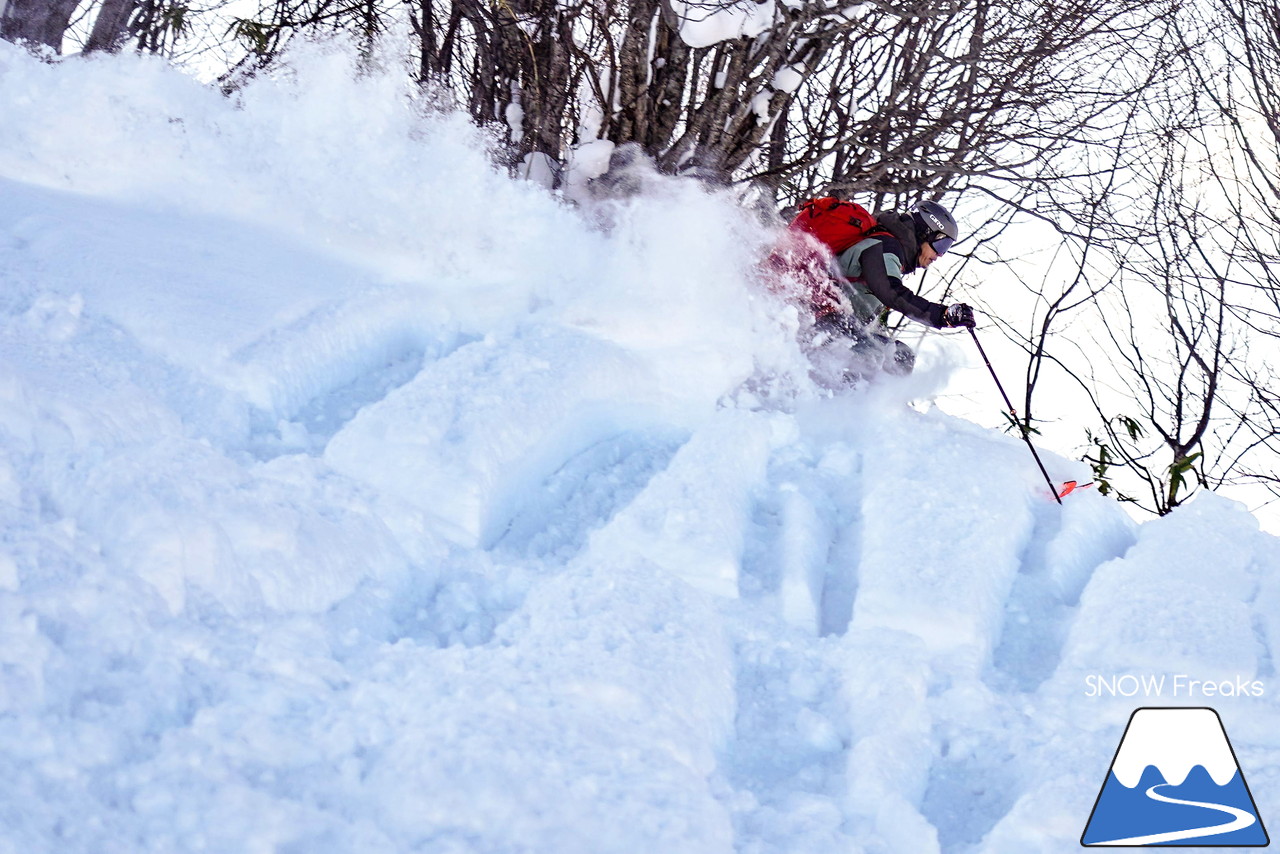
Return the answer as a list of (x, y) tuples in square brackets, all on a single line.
[(1177, 685)]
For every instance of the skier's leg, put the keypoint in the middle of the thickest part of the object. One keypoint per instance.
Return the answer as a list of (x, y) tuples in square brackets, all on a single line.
[(903, 361)]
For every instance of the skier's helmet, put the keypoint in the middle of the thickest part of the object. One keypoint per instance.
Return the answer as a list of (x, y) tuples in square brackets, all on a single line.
[(935, 225)]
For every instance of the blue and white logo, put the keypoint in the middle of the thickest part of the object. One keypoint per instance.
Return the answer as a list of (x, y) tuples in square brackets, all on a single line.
[(1175, 781)]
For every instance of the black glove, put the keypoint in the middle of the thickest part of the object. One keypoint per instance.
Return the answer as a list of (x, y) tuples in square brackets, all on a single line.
[(958, 315)]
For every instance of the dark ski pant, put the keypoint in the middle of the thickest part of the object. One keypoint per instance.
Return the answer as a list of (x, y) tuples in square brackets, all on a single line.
[(851, 353)]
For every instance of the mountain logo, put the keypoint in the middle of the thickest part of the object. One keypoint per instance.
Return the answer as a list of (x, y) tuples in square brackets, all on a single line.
[(1175, 782)]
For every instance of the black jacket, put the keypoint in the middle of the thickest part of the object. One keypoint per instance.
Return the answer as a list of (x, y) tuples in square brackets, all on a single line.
[(873, 271)]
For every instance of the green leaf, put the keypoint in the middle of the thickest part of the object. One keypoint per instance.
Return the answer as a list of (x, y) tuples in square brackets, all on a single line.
[(1014, 424), (1179, 468), (1131, 426), (177, 18), (252, 32)]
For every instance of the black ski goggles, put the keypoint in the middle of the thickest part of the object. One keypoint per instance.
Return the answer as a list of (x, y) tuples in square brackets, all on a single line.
[(941, 243)]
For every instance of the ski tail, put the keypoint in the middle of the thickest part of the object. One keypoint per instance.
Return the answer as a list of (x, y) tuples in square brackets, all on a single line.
[(1070, 486)]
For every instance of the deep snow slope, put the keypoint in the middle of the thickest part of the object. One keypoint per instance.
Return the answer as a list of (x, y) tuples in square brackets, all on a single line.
[(338, 517)]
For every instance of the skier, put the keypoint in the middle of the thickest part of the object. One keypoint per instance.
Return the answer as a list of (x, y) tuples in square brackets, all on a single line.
[(865, 282)]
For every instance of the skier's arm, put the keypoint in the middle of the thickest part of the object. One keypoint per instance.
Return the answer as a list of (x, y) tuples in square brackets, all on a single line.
[(890, 290)]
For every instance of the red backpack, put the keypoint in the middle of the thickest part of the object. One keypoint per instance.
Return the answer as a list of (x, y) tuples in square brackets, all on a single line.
[(835, 223), (799, 263)]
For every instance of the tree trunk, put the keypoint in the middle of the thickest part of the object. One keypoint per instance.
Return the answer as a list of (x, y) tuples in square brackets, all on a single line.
[(37, 21), (111, 27)]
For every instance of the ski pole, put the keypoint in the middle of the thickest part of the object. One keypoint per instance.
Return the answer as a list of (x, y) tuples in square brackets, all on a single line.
[(1026, 438)]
